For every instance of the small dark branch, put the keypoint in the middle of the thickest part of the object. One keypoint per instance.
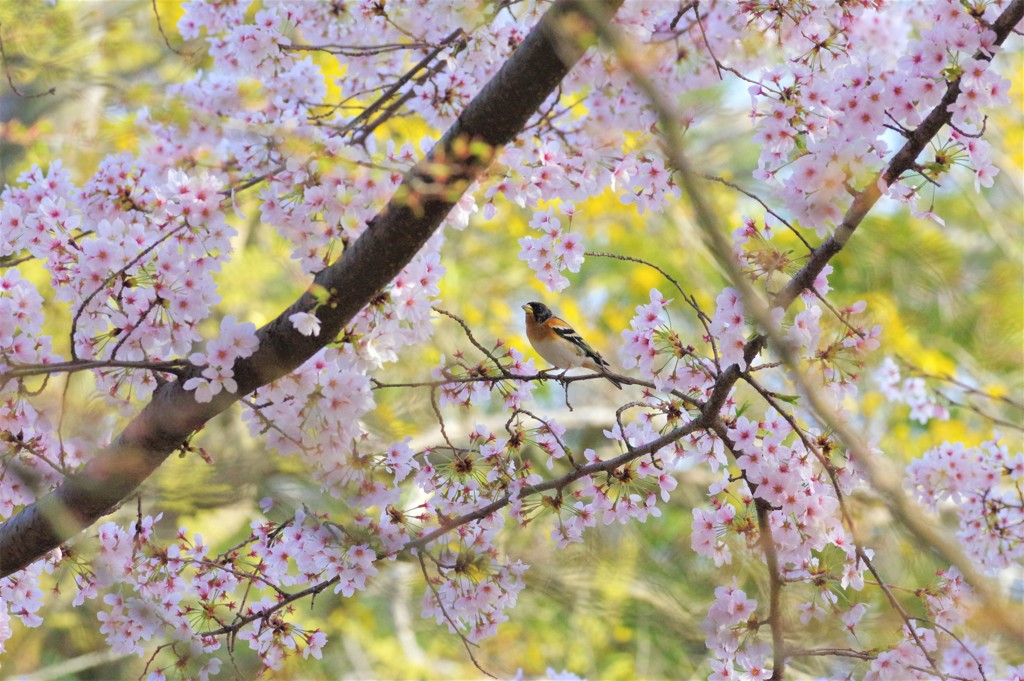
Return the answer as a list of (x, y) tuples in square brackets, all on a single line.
[(707, 45), (424, 539), (123, 338), (10, 80), (809, 444), (37, 392), (831, 308), (568, 452), (727, 379), (358, 50), (702, 317), (546, 121), (765, 366), (440, 419), (15, 262), (897, 126), (926, 176), (62, 455), (152, 658), (966, 648), (405, 78), (283, 602), (682, 11), (691, 301), (17, 371), (110, 279), (973, 135), (472, 339), (160, 27), (252, 181), (558, 483), (967, 388), (977, 410), (539, 377), (391, 110), (242, 575), (565, 388), (268, 424), (767, 541), (24, 472), (944, 677), (618, 419), (719, 66), (767, 208), (863, 556)]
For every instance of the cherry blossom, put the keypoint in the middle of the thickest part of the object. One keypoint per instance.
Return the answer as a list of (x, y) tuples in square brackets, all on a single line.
[(134, 252)]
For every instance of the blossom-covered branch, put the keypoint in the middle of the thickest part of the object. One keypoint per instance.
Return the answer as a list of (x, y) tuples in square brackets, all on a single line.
[(429, 191)]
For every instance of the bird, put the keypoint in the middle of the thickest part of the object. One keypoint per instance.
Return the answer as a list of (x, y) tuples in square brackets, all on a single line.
[(558, 343)]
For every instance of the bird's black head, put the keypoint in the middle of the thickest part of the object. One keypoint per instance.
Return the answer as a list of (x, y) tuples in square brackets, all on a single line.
[(538, 311)]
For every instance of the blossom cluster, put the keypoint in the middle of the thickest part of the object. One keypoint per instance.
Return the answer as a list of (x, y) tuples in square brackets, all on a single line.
[(728, 639), (135, 251), (472, 384), (983, 484), (824, 113), (183, 592), (235, 342), (553, 252), (912, 391)]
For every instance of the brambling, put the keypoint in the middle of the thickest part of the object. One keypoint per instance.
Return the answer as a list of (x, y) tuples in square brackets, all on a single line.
[(558, 343)]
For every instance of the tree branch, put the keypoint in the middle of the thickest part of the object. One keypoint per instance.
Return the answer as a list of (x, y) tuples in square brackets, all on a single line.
[(903, 161), (394, 236), (864, 200)]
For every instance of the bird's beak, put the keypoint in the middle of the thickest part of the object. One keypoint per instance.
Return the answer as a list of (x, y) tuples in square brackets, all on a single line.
[(525, 308)]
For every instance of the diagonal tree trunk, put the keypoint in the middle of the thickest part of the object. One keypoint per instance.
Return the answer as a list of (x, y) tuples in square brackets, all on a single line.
[(428, 192)]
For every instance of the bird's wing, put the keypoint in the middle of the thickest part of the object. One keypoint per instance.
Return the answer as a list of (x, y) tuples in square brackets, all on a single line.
[(569, 334)]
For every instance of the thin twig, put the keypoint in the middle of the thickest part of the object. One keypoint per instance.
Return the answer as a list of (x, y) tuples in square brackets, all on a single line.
[(160, 27), (15, 262), (21, 370), (454, 625), (568, 452), (472, 338), (440, 419), (966, 648), (357, 50), (767, 208), (966, 387), (405, 78), (704, 319), (10, 80), (114, 275)]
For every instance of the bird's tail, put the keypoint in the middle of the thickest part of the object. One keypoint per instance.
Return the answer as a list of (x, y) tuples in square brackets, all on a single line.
[(615, 381), (601, 366)]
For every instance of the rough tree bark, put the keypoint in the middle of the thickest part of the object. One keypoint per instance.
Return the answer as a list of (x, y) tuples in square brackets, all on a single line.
[(396, 234)]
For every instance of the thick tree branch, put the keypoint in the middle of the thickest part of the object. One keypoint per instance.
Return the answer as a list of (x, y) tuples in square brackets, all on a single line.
[(393, 238)]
